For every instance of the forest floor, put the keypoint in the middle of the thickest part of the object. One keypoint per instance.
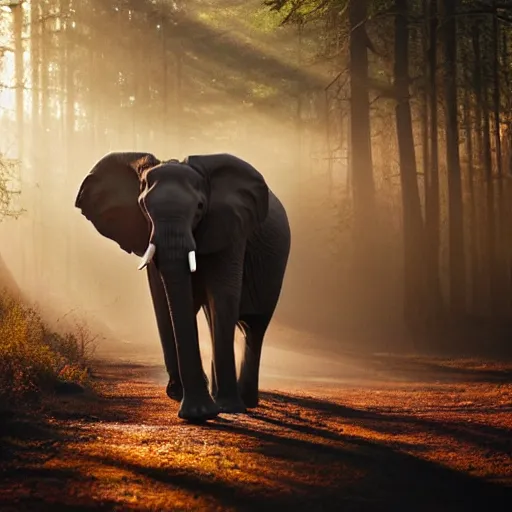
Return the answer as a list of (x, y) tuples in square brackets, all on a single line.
[(415, 434)]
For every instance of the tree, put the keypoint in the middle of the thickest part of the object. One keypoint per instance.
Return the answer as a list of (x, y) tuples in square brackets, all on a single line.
[(414, 270), (363, 188), (457, 258), (16, 9), (432, 172)]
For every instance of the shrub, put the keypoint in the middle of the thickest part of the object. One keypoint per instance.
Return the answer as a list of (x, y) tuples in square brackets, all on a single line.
[(33, 359)]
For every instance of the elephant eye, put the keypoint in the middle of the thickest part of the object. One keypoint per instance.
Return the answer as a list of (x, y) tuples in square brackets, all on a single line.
[(200, 206)]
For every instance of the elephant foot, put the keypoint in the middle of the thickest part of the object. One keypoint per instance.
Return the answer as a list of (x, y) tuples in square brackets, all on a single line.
[(250, 399), (174, 391), (198, 410), (230, 405), (249, 394)]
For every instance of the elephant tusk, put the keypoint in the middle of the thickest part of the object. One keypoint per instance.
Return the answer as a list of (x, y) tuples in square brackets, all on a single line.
[(148, 256), (192, 261)]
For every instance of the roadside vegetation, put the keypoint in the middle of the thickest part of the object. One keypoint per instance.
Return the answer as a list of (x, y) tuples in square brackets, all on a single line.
[(35, 360)]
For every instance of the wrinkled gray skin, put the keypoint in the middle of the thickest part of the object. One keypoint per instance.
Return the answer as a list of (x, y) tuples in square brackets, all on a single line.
[(220, 207)]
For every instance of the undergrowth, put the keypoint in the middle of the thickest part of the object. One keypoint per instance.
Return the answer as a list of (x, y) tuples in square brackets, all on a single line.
[(33, 359)]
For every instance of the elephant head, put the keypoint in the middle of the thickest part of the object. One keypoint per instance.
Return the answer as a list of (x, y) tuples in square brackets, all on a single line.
[(202, 204), (170, 211)]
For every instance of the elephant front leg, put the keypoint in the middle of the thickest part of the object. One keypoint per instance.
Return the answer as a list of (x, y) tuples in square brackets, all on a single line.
[(165, 330), (197, 403), (174, 388)]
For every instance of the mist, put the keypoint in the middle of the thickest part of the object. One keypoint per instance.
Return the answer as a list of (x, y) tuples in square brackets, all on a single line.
[(174, 80), (385, 129)]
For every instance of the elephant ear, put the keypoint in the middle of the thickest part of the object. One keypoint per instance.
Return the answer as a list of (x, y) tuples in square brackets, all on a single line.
[(238, 200), (108, 197)]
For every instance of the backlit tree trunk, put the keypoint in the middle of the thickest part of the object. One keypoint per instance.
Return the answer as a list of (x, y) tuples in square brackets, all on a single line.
[(414, 282), (432, 177), (473, 228), (501, 249), (457, 260), (35, 158), (486, 156), (363, 188), (17, 12)]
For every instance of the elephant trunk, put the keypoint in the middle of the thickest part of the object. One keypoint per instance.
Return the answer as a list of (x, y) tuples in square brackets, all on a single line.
[(178, 287), (172, 247)]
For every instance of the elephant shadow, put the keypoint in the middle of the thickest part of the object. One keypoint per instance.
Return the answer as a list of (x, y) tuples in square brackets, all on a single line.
[(318, 467), (393, 478), (303, 453)]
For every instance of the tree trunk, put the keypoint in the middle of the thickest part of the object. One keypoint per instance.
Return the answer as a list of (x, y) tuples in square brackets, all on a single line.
[(43, 168), (496, 88), (35, 50), (474, 264), (432, 173), (414, 281), (505, 61), (17, 12), (35, 138), (490, 219), (363, 188), (69, 136), (298, 116), (501, 250), (457, 260), (481, 179), (165, 83), (424, 103)]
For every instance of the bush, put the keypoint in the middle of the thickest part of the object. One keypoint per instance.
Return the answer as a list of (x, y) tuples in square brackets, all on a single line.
[(34, 360)]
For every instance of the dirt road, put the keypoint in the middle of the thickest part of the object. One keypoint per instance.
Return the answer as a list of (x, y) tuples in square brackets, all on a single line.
[(414, 435)]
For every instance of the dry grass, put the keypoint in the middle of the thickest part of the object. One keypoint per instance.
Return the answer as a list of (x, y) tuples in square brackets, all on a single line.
[(33, 359)]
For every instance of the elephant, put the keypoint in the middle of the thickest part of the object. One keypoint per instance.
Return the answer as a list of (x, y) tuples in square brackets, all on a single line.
[(212, 236)]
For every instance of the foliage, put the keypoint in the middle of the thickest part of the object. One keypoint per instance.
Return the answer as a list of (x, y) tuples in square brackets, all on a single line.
[(8, 171), (302, 11), (33, 359)]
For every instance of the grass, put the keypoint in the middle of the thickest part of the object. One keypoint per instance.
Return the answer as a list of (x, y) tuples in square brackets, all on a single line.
[(34, 360)]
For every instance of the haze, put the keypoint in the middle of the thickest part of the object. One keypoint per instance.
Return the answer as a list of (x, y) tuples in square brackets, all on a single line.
[(229, 81)]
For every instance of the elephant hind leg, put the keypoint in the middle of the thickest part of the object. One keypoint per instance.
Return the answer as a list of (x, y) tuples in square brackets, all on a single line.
[(254, 328), (208, 316)]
